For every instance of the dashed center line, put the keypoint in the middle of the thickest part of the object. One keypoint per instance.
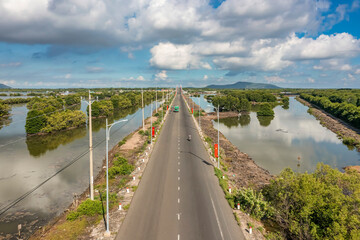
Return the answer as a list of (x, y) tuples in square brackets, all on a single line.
[(178, 188), (178, 200)]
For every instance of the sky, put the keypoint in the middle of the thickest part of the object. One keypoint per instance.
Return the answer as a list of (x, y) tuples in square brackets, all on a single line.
[(193, 43)]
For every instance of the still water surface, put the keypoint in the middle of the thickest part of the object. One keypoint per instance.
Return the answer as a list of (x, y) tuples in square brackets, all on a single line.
[(276, 143), (27, 161)]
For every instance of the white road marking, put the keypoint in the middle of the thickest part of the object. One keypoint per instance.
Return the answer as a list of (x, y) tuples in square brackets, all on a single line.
[(217, 219), (179, 178), (178, 236), (178, 163), (178, 200), (178, 157), (178, 188), (178, 170), (178, 216)]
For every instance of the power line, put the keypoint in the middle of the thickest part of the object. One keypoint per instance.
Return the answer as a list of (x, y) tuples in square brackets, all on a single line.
[(19, 199)]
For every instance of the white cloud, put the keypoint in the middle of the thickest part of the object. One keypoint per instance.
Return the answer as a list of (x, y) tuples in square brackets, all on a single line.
[(140, 78), (205, 77), (161, 75), (345, 67), (318, 67), (11, 64), (357, 71), (8, 82), (310, 80), (274, 79), (68, 76), (351, 77), (176, 57), (94, 69)]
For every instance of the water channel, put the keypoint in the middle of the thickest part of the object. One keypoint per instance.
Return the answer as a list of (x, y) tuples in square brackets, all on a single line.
[(28, 161), (277, 143)]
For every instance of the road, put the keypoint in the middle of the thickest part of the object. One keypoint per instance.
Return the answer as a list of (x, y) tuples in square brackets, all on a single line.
[(179, 196)]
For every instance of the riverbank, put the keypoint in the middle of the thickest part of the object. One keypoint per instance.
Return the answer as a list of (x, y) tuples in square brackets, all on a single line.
[(342, 129)]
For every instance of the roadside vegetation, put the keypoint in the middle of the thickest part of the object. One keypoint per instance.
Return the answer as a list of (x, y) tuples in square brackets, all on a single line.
[(319, 205)]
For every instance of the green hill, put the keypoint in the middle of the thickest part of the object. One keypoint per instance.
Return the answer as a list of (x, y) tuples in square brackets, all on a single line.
[(243, 85), (4, 86)]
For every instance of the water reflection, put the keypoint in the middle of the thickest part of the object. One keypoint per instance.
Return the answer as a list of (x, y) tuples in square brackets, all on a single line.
[(244, 120), (265, 120), (5, 121), (277, 142), (39, 144)]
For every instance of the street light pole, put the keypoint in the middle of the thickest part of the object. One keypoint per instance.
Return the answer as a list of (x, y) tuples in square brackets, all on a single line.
[(107, 133), (151, 123), (91, 178), (199, 114)]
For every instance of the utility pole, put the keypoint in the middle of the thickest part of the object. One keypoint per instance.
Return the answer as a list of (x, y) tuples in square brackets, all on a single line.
[(218, 137), (91, 180), (151, 123), (142, 106), (162, 108), (156, 99)]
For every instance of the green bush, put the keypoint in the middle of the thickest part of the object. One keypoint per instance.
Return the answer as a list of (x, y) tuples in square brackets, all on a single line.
[(4, 109), (349, 141), (265, 110), (35, 121), (320, 205), (120, 167), (253, 203), (102, 108), (88, 208)]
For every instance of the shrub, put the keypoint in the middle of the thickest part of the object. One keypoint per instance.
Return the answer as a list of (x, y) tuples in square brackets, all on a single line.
[(253, 203), (320, 205), (121, 167), (88, 208), (265, 110)]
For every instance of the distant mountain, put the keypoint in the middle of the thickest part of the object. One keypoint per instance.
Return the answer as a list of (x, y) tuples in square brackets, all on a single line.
[(4, 86), (243, 85)]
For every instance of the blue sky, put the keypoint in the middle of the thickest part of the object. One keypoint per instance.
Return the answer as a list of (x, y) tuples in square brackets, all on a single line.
[(98, 43)]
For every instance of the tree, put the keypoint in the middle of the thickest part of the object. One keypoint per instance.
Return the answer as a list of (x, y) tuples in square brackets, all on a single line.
[(265, 110), (35, 121), (4, 109), (320, 205)]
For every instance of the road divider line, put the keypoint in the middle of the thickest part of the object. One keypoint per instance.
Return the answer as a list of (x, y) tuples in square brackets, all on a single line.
[(217, 219)]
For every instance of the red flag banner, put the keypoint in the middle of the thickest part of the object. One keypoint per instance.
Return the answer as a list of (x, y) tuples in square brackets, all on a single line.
[(216, 150), (153, 131)]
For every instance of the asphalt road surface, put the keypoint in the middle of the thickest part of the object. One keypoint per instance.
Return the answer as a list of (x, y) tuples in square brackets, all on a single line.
[(179, 196)]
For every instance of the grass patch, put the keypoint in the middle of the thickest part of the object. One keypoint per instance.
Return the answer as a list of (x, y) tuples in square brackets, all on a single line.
[(68, 230), (126, 207), (134, 188)]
